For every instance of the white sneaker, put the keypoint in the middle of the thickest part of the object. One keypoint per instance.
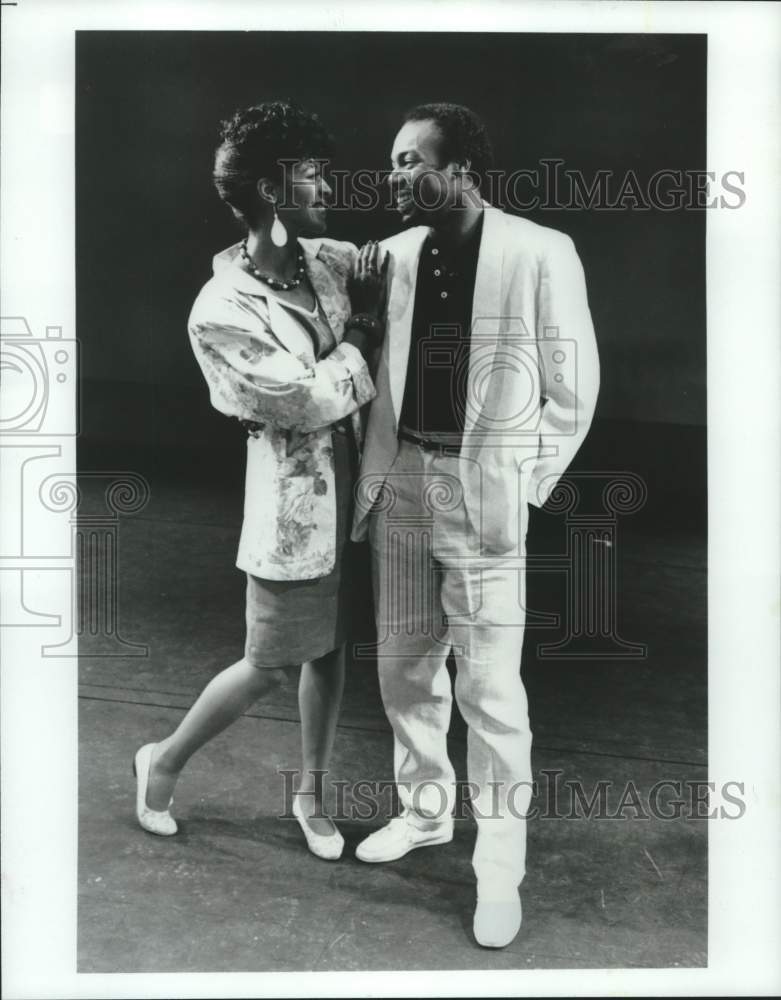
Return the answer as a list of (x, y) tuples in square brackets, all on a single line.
[(399, 837), (498, 915)]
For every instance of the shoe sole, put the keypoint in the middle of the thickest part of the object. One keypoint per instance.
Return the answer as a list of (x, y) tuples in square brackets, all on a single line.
[(413, 847)]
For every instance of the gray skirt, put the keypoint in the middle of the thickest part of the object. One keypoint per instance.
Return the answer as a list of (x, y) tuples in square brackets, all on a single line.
[(292, 621)]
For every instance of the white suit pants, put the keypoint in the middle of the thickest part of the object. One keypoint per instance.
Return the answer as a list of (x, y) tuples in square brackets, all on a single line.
[(435, 591)]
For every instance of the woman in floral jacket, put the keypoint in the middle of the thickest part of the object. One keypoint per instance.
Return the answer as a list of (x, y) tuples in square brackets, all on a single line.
[(281, 349)]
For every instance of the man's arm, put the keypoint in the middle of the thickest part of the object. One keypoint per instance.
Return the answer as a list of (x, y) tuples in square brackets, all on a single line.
[(569, 365)]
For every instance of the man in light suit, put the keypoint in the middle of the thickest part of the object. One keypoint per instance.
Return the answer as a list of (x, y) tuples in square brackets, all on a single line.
[(485, 390)]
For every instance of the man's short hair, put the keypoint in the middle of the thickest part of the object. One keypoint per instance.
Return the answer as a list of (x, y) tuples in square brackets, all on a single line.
[(464, 136)]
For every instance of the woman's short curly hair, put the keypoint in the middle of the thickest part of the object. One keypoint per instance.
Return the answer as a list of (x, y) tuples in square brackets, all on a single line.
[(255, 141), (464, 137)]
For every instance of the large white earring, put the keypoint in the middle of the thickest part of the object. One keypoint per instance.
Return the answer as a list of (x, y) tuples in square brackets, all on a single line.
[(278, 231)]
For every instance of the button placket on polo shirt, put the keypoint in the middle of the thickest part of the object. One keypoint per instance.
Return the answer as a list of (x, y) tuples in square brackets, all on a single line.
[(439, 273)]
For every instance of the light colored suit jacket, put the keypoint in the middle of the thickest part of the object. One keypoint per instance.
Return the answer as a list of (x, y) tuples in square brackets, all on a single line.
[(260, 365), (530, 386)]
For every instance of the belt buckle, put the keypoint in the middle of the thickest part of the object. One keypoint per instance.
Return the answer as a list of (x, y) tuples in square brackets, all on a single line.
[(435, 446)]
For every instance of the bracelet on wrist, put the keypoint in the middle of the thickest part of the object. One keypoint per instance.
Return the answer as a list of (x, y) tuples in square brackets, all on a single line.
[(365, 322)]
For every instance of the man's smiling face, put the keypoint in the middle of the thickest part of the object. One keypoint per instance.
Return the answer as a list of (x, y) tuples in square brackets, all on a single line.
[(424, 188)]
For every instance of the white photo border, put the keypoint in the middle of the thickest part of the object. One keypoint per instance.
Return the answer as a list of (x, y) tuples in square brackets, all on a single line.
[(39, 746)]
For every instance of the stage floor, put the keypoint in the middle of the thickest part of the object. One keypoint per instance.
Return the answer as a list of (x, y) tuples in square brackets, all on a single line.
[(237, 890)]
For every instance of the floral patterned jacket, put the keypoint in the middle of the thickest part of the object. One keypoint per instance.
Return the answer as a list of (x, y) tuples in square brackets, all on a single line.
[(260, 365)]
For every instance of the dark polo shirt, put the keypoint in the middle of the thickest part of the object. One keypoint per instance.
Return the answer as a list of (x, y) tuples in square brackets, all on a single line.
[(435, 390)]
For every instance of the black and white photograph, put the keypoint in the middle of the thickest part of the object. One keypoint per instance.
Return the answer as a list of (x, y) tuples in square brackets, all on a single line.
[(390, 509)]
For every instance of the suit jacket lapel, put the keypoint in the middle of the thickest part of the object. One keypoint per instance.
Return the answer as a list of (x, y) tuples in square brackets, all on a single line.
[(403, 279), (486, 309)]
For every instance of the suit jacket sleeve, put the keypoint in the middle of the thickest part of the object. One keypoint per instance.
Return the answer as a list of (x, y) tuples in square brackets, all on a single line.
[(569, 365), (252, 376)]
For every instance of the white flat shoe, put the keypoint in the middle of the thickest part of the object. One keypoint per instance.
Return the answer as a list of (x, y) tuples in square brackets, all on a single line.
[(328, 847), (498, 916), (153, 821)]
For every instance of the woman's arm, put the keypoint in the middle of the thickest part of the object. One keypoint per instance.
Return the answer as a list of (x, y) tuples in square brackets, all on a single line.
[(252, 377)]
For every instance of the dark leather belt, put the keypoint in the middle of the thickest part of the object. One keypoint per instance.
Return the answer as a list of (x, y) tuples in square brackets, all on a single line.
[(428, 445)]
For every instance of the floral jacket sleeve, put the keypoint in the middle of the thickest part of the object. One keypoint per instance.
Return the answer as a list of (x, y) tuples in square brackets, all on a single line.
[(253, 375), (259, 363)]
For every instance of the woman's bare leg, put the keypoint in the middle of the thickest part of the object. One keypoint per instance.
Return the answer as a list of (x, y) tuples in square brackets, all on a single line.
[(319, 699), (224, 699)]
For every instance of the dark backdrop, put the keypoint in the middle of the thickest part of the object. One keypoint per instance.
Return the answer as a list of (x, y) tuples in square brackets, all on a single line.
[(148, 220)]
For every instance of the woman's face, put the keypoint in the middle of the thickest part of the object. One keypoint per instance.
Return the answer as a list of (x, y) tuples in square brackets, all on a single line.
[(303, 205)]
